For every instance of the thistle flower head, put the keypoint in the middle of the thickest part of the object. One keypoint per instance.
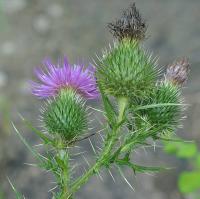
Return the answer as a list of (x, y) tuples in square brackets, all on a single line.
[(164, 118), (131, 25), (127, 71), (177, 73), (65, 115), (57, 77)]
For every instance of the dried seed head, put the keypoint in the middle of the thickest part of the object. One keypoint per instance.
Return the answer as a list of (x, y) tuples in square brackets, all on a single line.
[(131, 25), (177, 73)]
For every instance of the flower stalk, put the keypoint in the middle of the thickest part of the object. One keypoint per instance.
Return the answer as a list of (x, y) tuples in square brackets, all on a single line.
[(109, 143)]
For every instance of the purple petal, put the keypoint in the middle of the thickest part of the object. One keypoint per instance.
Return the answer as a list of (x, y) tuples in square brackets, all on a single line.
[(65, 76)]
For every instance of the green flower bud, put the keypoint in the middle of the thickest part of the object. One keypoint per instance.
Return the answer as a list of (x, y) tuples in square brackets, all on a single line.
[(127, 71), (65, 115), (164, 118)]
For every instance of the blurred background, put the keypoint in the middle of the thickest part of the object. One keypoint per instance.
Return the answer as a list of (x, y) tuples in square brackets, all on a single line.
[(33, 29)]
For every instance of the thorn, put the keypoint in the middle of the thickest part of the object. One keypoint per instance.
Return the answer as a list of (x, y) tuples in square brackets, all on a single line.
[(145, 151), (86, 160), (98, 120), (92, 146), (150, 174), (98, 110), (102, 137), (100, 177), (53, 188), (99, 148), (84, 169), (32, 165), (126, 180), (38, 145), (53, 182), (80, 153), (154, 146), (74, 167), (111, 175), (20, 115), (136, 152)]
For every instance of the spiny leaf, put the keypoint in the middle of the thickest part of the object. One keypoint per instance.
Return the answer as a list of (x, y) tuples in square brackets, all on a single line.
[(34, 152), (46, 139), (173, 140), (143, 169), (42, 160), (130, 145), (157, 106), (109, 109), (139, 168), (120, 171)]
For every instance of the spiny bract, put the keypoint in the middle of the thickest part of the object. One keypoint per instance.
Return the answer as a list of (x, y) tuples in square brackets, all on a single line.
[(127, 70), (65, 115)]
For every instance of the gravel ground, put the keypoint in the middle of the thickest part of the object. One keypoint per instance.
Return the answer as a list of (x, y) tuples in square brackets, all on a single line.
[(33, 29)]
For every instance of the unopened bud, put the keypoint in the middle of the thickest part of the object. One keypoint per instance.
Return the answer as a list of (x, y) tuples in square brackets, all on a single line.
[(177, 73)]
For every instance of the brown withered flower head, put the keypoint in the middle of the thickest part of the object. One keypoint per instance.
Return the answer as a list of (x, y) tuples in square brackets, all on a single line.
[(177, 72), (131, 25)]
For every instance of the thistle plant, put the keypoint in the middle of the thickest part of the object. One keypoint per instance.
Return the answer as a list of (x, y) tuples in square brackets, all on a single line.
[(140, 105)]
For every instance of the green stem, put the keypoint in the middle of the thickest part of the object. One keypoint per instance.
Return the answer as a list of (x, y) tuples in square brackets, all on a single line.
[(110, 142), (63, 162)]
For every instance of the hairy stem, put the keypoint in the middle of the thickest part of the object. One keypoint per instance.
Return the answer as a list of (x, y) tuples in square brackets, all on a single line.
[(64, 167), (109, 143)]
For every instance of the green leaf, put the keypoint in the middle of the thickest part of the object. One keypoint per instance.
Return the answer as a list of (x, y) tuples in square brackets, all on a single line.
[(132, 144), (31, 149), (187, 150), (157, 106), (170, 148), (197, 162), (46, 139), (189, 182), (143, 169), (173, 140), (109, 109), (139, 168), (181, 149)]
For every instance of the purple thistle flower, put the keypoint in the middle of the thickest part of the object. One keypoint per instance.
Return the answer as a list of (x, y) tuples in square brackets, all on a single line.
[(59, 77)]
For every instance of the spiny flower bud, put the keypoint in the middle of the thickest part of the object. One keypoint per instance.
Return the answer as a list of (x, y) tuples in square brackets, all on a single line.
[(164, 118), (127, 70), (177, 73), (65, 115), (131, 25)]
